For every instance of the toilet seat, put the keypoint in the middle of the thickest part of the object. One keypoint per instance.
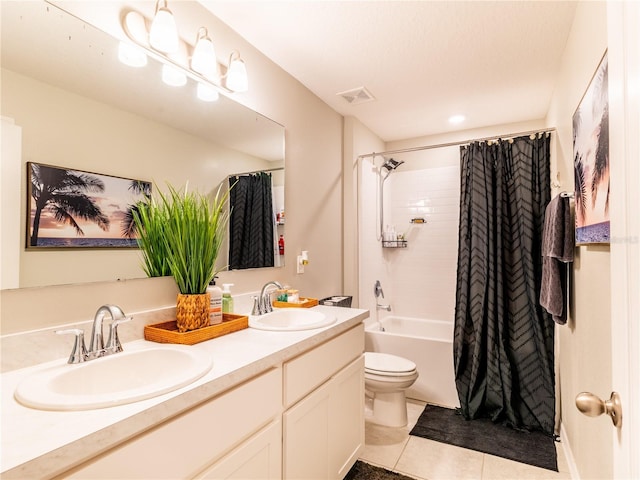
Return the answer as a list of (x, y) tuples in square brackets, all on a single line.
[(385, 364)]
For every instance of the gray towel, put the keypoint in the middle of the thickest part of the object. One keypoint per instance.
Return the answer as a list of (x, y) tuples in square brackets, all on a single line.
[(558, 244)]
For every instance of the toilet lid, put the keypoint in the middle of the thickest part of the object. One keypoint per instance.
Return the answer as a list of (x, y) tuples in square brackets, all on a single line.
[(381, 363)]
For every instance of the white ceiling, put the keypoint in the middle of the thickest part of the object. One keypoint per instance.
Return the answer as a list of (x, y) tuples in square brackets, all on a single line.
[(423, 61)]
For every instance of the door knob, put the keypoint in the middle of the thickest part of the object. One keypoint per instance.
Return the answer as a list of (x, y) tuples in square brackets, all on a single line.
[(592, 406)]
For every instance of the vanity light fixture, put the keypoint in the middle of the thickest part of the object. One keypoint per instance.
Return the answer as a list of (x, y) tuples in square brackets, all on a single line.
[(203, 66), (204, 60), (236, 77), (163, 34)]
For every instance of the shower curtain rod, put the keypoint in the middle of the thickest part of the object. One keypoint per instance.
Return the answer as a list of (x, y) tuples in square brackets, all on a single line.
[(452, 144), (256, 171)]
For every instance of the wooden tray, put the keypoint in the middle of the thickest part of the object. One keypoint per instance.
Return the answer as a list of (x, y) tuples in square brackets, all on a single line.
[(304, 303), (167, 332)]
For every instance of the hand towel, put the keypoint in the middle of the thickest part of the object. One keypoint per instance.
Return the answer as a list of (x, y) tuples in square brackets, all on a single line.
[(558, 244)]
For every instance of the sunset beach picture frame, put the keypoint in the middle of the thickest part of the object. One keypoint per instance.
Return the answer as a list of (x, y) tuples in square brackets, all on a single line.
[(591, 160), (70, 208)]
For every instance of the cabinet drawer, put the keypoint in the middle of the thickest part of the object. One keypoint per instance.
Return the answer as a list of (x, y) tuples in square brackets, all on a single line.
[(311, 369), (181, 447)]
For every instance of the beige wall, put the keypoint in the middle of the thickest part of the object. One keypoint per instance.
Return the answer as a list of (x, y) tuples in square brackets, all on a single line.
[(585, 342), (313, 193)]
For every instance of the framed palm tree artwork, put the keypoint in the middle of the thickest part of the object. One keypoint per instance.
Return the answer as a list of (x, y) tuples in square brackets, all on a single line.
[(591, 160), (69, 208)]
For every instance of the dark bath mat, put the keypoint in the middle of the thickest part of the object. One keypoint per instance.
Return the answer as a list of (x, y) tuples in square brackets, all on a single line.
[(445, 425), (365, 471)]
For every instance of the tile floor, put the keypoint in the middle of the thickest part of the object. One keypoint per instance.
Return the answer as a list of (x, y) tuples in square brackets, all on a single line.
[(394, 449)]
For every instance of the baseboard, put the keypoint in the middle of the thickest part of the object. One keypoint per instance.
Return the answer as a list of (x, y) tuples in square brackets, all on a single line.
[(568, 454)]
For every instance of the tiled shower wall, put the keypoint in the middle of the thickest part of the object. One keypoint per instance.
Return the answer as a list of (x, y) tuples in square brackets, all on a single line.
[(419, 280)]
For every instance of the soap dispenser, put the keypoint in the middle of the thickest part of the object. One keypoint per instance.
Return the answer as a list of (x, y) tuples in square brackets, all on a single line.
[(227, 299), (215, 292)]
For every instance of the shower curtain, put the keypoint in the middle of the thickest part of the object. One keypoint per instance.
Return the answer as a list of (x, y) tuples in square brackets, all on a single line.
[(251, 224), (503, 339)]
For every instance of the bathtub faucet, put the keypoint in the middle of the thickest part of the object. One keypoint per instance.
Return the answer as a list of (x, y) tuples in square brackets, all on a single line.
[(383, 307), (377, 289)]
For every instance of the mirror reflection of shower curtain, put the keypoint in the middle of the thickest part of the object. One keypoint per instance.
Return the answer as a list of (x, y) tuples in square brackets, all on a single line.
[(503, 339), (252, 240)]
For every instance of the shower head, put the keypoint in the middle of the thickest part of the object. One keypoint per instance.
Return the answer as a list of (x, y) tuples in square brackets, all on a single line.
[(390, 164)]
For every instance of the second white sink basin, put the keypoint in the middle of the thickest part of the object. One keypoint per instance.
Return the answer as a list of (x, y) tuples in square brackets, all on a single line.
[(291, 319), (117, 379)]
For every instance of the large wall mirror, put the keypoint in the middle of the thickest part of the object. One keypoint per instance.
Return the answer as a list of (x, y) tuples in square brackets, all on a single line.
[(78, 107)]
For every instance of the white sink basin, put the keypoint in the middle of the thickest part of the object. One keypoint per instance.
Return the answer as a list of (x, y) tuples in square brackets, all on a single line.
[(291, 319), (117, 379)]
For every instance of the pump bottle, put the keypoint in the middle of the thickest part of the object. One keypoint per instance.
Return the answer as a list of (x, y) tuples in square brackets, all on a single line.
[(215, 310), (227, 299)]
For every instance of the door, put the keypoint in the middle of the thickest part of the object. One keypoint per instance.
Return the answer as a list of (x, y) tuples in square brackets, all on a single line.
[(624, 153)]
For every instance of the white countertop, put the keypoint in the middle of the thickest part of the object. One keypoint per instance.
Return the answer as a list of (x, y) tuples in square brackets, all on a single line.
[(37, 443)]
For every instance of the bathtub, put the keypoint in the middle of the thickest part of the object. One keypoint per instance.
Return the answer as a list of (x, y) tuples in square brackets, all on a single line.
[(427, 343)]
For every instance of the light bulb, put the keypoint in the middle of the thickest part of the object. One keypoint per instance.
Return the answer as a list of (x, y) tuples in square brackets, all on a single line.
[(237, 75), (163, 34), (204, 59)]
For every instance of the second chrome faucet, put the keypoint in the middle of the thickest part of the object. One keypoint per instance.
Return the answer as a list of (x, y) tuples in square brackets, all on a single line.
[(262, 304)]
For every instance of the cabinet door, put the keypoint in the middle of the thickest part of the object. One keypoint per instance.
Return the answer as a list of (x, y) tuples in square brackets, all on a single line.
[(258, 458), (324, 432), (306, 437), (346, 426)]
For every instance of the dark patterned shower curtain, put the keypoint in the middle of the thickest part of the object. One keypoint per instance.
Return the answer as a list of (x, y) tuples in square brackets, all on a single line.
[(503, 340), (251, 241)]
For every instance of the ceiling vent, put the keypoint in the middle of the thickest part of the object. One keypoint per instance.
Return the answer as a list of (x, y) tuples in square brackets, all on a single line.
[(357, 96)]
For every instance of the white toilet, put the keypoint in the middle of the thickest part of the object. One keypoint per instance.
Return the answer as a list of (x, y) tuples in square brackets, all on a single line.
[(386, 377)]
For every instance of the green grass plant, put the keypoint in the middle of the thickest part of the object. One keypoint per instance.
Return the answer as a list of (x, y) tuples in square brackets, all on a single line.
[(181, 233)]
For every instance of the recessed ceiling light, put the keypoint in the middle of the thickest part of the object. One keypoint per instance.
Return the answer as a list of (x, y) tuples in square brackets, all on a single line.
[(456, 119)]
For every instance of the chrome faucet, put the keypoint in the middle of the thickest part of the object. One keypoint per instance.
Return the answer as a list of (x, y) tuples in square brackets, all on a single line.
[(262, 304), (97, 348)]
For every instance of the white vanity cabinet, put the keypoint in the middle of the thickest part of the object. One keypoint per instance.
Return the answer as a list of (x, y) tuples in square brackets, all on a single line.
[(190, 443), (301, 418), (323, 426)]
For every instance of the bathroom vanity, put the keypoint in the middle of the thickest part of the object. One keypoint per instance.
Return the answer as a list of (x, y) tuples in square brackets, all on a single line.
[(274, 405)]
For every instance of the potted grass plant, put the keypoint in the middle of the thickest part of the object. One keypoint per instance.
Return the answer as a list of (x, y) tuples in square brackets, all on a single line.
[(180, 234)]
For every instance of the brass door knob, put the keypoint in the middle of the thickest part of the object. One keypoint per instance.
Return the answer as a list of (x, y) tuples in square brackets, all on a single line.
[(593, 406)]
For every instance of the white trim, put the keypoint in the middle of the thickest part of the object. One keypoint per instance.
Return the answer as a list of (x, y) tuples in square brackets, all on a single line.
[(10, 196), (568, 454)]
